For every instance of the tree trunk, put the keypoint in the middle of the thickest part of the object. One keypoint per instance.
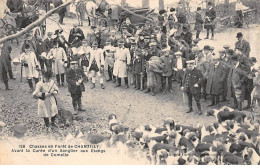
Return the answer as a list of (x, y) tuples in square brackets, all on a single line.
[(161, 4), (145, 4)]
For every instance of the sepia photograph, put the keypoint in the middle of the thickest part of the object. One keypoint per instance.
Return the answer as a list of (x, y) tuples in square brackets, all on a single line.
[(129, 82)]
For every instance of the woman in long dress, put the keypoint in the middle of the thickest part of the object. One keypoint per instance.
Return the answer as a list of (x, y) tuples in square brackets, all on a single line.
[(45, 92)]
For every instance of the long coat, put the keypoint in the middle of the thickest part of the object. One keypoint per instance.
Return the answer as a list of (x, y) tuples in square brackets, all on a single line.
[(60, 60), (5, 58), (216, 78), (72, 76), (192, 77), (32, 62), (168, 65), (243, 46), (47, 107), (210, 23), (122, 58), (199, 22)]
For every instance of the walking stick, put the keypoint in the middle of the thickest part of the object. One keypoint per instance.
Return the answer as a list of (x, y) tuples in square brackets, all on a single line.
[(141, 81), (21, 72)]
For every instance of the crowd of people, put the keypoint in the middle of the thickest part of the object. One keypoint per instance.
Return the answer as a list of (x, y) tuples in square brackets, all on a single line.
[(151, 57)]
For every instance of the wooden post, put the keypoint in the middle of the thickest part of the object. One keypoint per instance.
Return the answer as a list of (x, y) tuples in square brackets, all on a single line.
[(161, 4), (145, 4)]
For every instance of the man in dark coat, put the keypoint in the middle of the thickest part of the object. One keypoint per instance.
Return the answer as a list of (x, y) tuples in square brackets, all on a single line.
[(237, 82), (210, 17), (138, 67), (61, 11), (186, 35), (179, 65), (191, 85), (75, 78), (242, 45), (76, 36), (49, 41), (15, 6), (215, 82), (41, 48), (5, 51), (198, 23), (181, 13)]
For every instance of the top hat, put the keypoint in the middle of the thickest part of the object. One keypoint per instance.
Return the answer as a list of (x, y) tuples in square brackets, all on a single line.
[(207, 47)]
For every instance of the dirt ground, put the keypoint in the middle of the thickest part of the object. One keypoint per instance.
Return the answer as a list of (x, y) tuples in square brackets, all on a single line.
[(133, 108)]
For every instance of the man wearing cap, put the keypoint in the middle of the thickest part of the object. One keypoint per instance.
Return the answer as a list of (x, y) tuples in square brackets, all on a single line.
[(210, 17), (75, 78), (59, 57), (198, 23), (138, 68), (96, 65), (242, 45), (191, 85), (236, 82), (76, 36), (122, 62), (179, 66), (215, 81), (41, 52), (109, 52), (186, 35), (167, 59)]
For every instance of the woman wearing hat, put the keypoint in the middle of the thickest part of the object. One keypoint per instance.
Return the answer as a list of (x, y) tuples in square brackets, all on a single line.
[(31, 66), (60, 39), (45, 92)]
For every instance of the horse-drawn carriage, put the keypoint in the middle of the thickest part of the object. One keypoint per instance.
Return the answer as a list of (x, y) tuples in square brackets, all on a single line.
[(20, 14)]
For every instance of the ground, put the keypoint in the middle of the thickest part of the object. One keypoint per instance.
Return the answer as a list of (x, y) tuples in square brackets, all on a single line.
[(133, 108)]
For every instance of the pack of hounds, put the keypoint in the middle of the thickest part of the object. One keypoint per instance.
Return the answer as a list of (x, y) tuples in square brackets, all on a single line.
[(234, 139)]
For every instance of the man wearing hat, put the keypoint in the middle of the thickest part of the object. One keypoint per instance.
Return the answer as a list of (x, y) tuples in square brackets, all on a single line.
[(215, 81), (138, 68), (181, 13), (84, 55), (122, 62), (198, 23), (242, 45), (49, 41), (41, 52), (179, 66), (109, 52), (172, 18), (186, 35), (167, 59), (236, 82), (191, 85), (76, 36), (210, 17), (96, 65), (75, 78), (59, 57)]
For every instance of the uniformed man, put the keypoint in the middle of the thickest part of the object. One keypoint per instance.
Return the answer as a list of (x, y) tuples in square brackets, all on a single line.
[(75, 78), (96, 65), (122, 62), (191, 85)]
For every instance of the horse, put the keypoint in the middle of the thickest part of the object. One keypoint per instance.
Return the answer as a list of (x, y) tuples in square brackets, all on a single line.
[(91, 8)]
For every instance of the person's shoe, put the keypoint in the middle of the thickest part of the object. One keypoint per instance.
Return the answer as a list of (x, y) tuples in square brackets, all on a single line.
[(53, 125), (147, 90), (212, 104), (198, 39), (141, 89), (199, 112), (93, 86), (13, 78), (109, 80), (114, 80), (8, 88), (118, 85), (247, 107), (212, 38), (81, 109), (126, 86), (62, 85), (102, 86), (31, 90), (191, 110), (62, 23), (206, 38), (137, 88), (164, 91)]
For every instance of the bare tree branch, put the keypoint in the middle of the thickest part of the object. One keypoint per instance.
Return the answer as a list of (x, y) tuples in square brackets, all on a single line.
[(34, 24)]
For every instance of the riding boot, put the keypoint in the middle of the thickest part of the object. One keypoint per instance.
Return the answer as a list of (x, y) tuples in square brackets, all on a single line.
[(199, 107), (53, 122), (235, 104), (119, 82), (46, 121), (80, 105), (62, 79), (239, 105), (30, 84), (58, 79), (75, 106), (126, 82)]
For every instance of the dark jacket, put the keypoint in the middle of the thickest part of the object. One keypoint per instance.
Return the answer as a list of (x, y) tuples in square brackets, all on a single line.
[(72, 76), (192, 77), (138, 63), (199, 22), (243, 46), (49, 44), (210, 23), (216, 78), (76, 33), (187, 38), (5, 58), (168, 64), (40, 48)]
